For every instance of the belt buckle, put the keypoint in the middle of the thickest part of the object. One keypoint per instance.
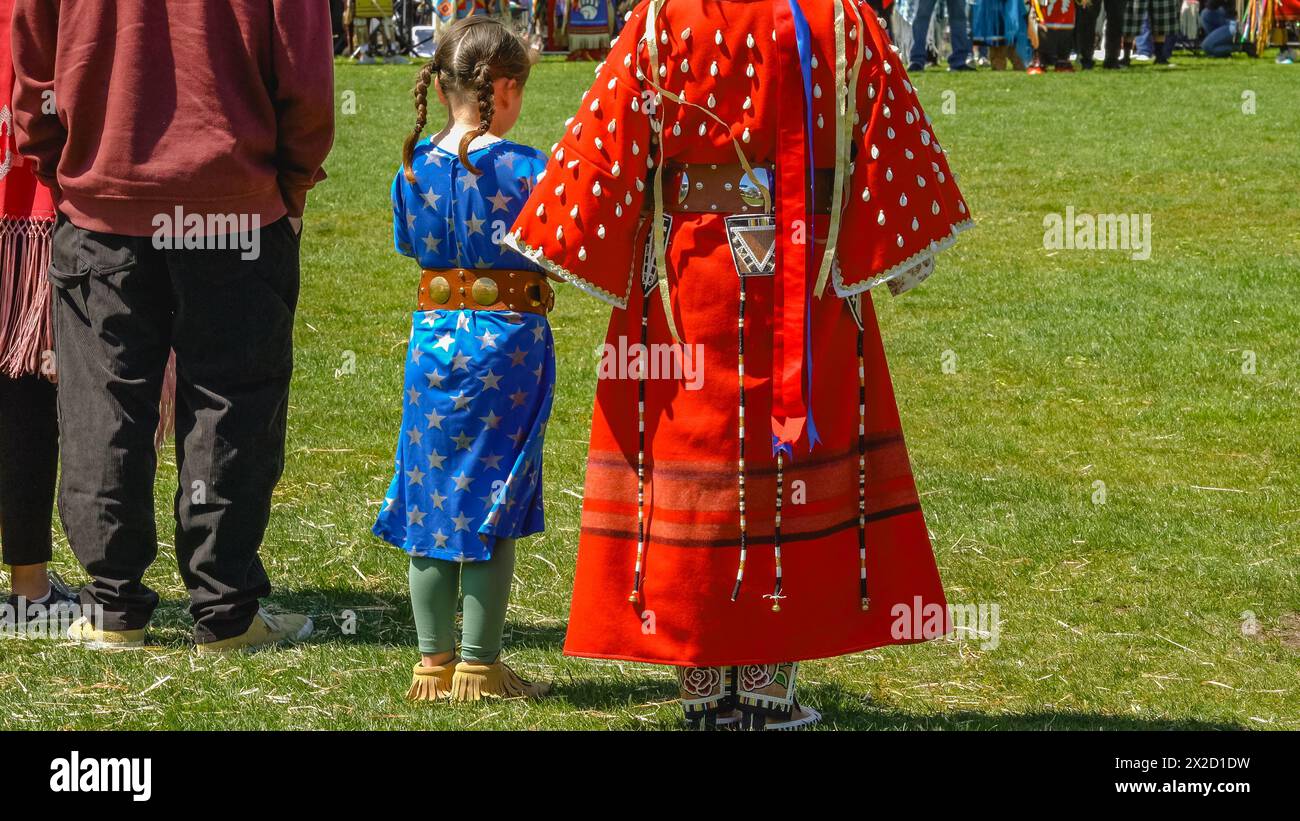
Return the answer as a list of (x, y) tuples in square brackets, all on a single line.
[(753, 244), (540, 294), (549, 300)]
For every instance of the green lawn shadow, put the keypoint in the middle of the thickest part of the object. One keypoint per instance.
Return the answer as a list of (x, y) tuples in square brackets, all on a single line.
[(844, 710)]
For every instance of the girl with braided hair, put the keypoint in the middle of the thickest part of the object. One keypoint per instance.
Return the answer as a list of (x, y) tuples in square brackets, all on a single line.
[(480, 370)]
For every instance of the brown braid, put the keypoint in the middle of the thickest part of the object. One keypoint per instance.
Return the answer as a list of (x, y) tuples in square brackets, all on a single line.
[(485, 90), (471, 55), (421, 93)]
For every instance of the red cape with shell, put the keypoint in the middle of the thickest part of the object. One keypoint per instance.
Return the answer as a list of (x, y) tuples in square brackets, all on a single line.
[(660, 551)]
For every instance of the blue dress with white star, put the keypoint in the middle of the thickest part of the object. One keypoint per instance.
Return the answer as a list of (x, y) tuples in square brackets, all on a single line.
[(479, 384)]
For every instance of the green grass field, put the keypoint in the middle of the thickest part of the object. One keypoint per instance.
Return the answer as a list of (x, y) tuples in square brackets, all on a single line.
[(1072, 368)]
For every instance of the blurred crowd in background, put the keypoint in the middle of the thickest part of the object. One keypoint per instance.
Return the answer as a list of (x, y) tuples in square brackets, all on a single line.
[(965, 35)]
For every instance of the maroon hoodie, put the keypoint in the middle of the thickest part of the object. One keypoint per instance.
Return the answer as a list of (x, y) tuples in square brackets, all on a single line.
[(132, 109)]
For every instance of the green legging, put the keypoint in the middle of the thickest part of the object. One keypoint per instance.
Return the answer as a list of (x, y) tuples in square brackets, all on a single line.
[(435, 586)]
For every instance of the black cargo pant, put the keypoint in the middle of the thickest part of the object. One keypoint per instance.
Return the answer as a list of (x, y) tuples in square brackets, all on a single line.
[(1054, 47), (29, 463), (1085, 30), (121, 304)]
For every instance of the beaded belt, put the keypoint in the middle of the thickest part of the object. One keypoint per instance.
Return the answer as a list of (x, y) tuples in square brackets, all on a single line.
[(725, 188), (486, 290)]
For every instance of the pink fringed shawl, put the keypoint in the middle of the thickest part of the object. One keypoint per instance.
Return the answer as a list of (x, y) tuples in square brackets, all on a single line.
[(26, 222)]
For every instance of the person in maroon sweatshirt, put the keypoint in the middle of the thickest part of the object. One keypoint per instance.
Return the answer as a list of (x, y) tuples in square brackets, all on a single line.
[(180, 139)]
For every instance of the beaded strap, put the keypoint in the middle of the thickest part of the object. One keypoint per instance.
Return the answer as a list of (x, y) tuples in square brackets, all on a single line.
[(740, 466), (855, 304), (776, 531), (635, 595)]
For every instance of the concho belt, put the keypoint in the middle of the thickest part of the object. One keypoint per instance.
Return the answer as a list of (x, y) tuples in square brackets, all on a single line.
[(727, 190), (456, 289)]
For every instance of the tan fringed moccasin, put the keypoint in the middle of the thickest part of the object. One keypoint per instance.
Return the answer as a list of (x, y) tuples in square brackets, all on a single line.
[(474, 681), (431, 683)]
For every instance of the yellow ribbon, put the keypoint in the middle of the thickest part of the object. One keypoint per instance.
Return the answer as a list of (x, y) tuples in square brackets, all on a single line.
[(846, 92)]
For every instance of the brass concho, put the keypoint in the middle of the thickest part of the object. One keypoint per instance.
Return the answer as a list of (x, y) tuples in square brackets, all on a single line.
[(485, 291), (439, 290), (753, 194)]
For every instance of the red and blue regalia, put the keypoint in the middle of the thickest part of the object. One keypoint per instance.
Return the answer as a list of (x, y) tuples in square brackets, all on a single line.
[(446, 12), (739, 177), (589, 25)]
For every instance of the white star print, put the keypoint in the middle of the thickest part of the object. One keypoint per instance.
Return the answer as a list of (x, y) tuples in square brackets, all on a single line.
[(463, 441), (490, 381)]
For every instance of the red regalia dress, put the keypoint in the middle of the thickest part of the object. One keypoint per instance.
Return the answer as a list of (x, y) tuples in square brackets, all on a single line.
[(1056, 15), (700, 546)]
